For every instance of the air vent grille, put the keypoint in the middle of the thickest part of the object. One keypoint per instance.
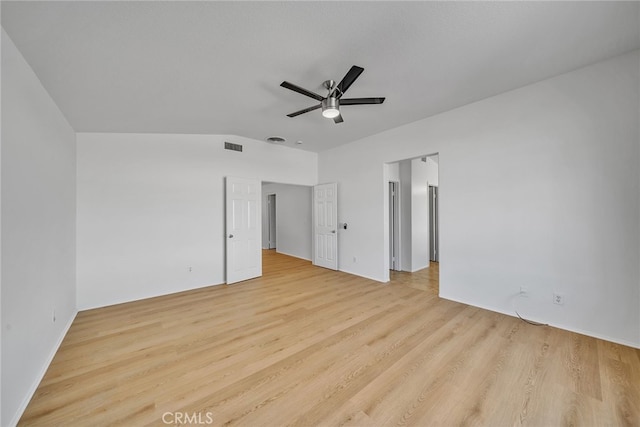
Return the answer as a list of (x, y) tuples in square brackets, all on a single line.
[(233, 147), (276, 139)]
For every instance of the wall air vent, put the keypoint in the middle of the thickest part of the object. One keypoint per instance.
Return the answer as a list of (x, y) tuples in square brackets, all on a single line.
[(276, 139), (233, 147)]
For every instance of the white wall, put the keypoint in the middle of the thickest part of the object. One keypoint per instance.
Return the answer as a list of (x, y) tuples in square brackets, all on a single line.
[(1, 322), (293, 219), (394, 171), (539, 187), (432, 170), (414, 176), (151, 206), (419, 215), (405, 215), (38, 230)]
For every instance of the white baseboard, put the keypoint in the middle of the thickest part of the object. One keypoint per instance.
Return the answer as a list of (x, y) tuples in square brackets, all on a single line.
[(43, 371)]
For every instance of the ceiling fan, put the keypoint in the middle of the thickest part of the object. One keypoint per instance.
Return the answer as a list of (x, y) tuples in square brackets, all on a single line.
[(331, 103)]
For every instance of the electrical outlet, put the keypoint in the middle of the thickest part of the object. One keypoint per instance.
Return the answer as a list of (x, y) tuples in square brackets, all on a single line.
[(189, 269), (558, 298), (524, 291), (355, 260), (54, 315)]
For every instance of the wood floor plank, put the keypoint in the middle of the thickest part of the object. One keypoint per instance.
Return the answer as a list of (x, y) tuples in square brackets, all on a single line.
[(307, 346)]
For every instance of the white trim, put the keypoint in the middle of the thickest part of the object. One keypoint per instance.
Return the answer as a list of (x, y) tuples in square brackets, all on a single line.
[(398, 223), (565, 328), (269, 221), (36, 383)]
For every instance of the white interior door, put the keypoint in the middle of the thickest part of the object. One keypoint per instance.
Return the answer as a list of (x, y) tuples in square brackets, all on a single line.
[(244, 228), (325, 221)]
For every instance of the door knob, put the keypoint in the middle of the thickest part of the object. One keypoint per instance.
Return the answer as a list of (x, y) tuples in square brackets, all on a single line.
[(333, 231), (231, 236)]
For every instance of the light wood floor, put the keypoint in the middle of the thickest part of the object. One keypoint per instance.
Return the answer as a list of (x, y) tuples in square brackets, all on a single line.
[(312, 347)]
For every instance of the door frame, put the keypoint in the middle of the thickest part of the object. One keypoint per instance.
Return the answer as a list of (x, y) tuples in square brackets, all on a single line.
[(395, 235), (271, 211), (434, 231)]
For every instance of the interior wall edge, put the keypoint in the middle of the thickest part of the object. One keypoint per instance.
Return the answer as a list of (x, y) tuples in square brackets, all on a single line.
[(43, 371)]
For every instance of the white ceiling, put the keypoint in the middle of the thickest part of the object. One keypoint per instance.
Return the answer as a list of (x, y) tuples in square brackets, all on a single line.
[(216, 67)]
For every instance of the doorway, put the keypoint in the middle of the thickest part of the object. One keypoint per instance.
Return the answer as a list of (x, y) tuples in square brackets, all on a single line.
[(271, 221), (413, 227), (286, 219)]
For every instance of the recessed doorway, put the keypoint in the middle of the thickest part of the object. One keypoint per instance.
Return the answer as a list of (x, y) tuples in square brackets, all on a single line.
[(413, 221), (286, 219)]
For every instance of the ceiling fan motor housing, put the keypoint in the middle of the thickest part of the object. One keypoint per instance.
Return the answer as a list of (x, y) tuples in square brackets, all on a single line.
[(330, 107), (331, 103)]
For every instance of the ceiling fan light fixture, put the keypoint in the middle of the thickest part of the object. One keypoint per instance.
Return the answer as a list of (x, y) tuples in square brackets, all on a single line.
[(330, 108)]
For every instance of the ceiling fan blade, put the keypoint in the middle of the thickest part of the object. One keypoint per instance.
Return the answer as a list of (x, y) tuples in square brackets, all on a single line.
[(301, 90), (338, 119), (348, 80), (361, 101), (306, 110)]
